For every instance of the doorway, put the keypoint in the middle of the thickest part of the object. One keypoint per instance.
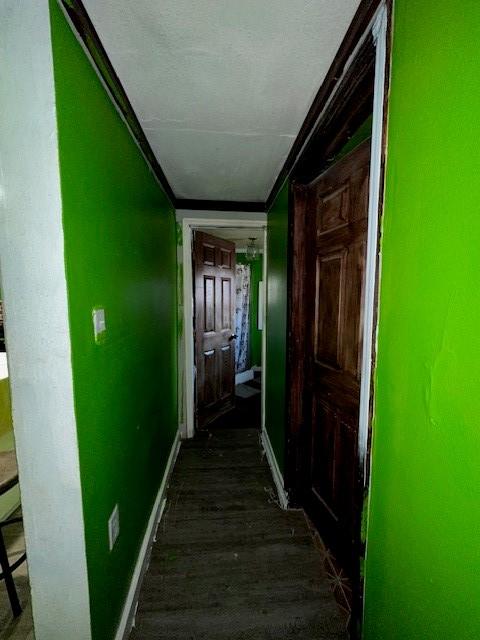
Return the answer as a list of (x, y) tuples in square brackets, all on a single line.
[(228, 326), (336, 192), (336, 208), (224, 322)]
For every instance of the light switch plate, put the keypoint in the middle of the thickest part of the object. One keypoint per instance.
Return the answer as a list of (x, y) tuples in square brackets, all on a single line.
[(113, 527), (99, 325)]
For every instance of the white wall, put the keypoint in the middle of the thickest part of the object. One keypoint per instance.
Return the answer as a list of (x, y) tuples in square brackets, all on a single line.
[(37, 330)]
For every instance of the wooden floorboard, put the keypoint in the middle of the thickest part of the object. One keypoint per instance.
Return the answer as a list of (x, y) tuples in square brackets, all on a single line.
[(229, 563)]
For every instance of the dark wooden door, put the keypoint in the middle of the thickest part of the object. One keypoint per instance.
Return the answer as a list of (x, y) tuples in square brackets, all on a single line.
[(214, 284), (337, 210)]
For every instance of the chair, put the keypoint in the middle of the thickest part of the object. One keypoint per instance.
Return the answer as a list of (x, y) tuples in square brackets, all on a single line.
[(8, 479)]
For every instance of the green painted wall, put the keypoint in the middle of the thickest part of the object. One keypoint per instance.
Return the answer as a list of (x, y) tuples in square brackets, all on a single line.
[(256, 275), (120, 252), (423, 554), (276, 339), (362, 133)]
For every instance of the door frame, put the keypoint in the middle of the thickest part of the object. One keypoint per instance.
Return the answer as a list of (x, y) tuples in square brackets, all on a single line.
[(189, 225), (361, 88), (377, 35)]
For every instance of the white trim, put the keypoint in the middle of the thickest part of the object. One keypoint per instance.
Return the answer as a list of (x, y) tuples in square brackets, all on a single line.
[(264, 329), (189, 362), (244, 250), (274, 468), (261, 304), (244, 376), (127, 620), (348, 64), (207, 214), (37, 328), (379, 31), (188, 225)]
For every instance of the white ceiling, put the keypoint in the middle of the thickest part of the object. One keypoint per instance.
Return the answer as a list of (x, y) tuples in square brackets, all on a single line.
[(221, 87)]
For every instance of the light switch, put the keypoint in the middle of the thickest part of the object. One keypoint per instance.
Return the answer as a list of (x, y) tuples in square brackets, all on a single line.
[(99, 325), (113, 527)]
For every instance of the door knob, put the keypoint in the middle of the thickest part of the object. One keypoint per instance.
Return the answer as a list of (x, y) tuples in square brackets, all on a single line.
[(232, 337)]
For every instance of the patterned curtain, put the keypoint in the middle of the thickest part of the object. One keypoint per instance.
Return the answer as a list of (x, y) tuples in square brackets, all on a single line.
[(242, 317)]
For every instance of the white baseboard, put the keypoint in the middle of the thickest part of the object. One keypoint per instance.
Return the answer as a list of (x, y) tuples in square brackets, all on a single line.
[(128, 614), (244, 376), (276, 473), (182, 430)]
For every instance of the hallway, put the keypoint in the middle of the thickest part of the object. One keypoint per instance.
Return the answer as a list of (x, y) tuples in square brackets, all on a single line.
[(268, 208), (228, 562)]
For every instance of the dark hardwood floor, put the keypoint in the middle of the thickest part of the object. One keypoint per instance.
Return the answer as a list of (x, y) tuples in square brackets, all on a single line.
[(229, 563), (247, 411)]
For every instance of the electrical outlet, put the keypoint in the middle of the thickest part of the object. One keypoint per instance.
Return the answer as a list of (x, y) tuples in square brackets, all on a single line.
[(113, 527)]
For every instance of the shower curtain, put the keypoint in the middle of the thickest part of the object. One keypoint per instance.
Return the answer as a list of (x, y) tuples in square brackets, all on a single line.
[(242, 316)]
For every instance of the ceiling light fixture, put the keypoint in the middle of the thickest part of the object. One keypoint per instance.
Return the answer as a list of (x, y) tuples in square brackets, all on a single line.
[(252, 251)]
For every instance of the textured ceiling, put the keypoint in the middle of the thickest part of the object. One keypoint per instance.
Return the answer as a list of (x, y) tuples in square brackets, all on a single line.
[(221, 87)]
